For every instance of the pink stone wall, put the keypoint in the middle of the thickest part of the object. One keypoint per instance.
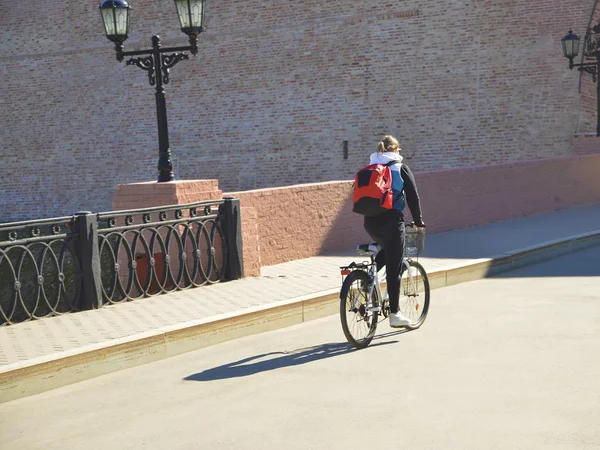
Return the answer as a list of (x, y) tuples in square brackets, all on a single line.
[(250, 242), (306, 220), (295, 222), (466, 197), (587, 144), (179, 192)]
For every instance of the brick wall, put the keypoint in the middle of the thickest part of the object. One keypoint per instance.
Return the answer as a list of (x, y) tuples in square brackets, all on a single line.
[(587, 117), (275, 90)]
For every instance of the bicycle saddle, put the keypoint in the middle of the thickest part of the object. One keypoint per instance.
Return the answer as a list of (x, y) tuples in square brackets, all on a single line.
[(366, 249)]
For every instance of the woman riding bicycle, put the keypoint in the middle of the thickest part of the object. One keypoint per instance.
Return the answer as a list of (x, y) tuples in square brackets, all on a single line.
[(387, 229)]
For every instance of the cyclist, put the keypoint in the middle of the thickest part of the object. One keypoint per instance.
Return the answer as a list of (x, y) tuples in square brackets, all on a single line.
[(387, 229)]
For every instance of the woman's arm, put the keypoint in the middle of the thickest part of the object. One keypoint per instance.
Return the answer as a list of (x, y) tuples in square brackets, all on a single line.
[(411, 195)]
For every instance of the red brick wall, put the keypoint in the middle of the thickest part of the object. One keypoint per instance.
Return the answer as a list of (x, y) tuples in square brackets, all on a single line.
[(275, 90), (301, 221)]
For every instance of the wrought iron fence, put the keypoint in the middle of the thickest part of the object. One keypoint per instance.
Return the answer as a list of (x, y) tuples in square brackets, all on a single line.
[(152, 251), (39, 269), (67, 264)]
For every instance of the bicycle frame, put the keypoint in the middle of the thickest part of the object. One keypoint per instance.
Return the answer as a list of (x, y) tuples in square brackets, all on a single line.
[(375, 285), (373, 275)]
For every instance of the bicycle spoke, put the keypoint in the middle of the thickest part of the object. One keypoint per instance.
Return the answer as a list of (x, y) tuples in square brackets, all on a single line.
[(358, 322), (414, 294)]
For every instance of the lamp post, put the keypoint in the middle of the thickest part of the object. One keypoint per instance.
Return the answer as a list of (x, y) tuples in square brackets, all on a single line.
[(115, 16), (591, 53)]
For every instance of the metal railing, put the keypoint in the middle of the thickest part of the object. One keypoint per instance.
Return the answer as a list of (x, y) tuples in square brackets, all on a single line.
[(39, 269), (66, 264)]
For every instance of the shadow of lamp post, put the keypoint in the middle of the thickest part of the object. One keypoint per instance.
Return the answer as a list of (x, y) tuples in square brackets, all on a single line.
[(591, 56), (156, 61)]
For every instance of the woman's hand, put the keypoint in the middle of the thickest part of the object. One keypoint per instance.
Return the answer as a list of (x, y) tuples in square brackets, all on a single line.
[(420, 227)]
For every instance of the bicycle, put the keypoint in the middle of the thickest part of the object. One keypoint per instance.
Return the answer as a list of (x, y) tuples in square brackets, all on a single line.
[(360, 305)]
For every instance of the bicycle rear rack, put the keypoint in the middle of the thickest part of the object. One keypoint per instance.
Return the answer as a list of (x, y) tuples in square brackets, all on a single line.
[(346, 270)]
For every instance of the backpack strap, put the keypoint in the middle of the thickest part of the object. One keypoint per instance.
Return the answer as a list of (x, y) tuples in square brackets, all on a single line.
[(391, 163)]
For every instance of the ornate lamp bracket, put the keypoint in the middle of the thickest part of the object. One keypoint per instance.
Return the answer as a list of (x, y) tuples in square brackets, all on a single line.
[(592, 69), (146, 64)]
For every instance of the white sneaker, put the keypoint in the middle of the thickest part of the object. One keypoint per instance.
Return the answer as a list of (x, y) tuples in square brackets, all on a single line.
[(398, 320)]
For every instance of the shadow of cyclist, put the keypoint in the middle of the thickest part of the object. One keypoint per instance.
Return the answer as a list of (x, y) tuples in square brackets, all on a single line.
[(276, 360)]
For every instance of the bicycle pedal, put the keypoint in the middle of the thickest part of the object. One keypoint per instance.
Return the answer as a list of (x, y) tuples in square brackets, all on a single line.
[(374, 308)]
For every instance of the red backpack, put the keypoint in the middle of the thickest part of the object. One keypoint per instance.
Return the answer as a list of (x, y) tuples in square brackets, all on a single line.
[(373, 189)]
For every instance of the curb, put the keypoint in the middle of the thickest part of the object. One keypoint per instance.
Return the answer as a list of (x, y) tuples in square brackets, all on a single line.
[(42, 374), (487, 267)]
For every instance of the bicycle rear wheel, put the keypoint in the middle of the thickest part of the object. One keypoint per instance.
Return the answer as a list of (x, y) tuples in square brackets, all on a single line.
[(414, 294), (359, 321)]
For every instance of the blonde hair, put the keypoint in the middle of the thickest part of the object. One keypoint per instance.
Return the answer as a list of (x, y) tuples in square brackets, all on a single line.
[(388, 144)]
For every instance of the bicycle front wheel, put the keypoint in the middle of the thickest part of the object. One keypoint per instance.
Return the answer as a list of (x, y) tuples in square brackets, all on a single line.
[(358, 312), (414, 294)]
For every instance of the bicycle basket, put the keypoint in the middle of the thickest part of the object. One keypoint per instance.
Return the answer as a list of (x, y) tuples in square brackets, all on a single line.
[(414, 241)]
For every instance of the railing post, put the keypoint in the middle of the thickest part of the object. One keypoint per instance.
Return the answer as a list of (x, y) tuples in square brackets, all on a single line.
[(232, 229), (86, 226)]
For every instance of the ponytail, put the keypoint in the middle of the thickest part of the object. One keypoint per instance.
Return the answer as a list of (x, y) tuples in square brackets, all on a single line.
[(388, 144)]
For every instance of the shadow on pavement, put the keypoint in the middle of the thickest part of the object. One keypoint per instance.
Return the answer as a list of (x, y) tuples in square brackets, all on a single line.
[(277, 360), (390, 334), (580, 263), (506, 236)]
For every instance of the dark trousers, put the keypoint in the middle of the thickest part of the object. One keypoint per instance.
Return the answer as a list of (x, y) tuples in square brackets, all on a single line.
[(387, 230)]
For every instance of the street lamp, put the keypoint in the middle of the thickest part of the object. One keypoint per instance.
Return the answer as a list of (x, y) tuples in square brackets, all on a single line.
[(115, 16), (591, 53)]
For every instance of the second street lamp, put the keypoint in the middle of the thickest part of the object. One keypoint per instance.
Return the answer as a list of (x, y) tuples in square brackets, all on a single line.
[(116, 16), (591, 53)]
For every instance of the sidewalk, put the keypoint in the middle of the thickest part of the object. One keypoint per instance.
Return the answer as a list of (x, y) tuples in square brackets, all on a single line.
[(40, 355)]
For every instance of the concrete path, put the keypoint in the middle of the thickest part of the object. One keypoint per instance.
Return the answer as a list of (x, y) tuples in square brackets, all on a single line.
[(508, 362), (40, 355)]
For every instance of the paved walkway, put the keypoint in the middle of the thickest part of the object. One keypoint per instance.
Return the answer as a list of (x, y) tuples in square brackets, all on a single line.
[(500, 364), (43, 340)]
